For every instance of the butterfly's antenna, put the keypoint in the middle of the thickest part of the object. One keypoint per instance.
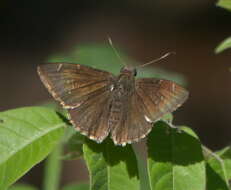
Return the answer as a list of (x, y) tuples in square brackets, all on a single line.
[(156, 60), (116, 52)]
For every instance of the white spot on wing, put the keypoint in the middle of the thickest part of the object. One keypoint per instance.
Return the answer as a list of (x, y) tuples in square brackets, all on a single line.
[(147, 119), (112, 87), (123, 144), (59, 67)]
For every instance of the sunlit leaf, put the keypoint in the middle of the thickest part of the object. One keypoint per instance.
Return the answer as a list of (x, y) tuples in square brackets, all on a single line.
[(27, 136), (111, 167)]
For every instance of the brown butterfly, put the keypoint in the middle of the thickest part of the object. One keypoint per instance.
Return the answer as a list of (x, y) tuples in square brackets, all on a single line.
[(100, 103)]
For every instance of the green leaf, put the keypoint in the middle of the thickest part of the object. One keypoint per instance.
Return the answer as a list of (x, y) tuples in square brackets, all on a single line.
[(75, 146), (27, 135), (216, 175), (225, 154), (56, 107), (111, 167), (224, 4), (224, 45), (22, 187), (77, 187), (102, 56), (175, 160)]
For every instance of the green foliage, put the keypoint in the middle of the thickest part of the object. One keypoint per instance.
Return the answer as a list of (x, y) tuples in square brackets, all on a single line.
[(172, 156), (111, 167), (225, 155), (174, 162), (224, 45), (27, 135), (53, 169), (217, 178), (226, 4)]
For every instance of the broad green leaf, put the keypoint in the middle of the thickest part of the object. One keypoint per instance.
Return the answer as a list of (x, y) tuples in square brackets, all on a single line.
[(224, 45), (102, 56), (224, 4), (111, 167), (27, 136), (175, 160), (22, 187), (77, 187)]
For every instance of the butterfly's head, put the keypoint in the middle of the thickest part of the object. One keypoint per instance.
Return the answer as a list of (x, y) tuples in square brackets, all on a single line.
[(129, 70)]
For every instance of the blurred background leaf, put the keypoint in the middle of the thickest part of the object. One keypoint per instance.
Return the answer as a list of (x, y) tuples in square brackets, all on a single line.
[(224, 4), (224, 45), (102, 56)]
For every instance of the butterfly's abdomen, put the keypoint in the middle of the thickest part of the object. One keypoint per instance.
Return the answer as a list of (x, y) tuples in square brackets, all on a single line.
[(115, 110)]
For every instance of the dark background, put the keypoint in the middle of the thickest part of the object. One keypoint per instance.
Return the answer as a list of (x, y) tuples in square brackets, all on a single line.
[(32, 30)]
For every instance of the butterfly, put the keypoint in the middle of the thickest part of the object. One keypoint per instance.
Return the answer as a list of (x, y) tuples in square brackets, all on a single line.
[(101, 104)]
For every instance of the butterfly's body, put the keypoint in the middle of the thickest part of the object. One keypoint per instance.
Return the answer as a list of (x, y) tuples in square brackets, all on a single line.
[(100, 103)]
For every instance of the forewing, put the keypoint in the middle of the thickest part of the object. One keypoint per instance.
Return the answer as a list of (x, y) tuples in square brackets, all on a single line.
[(74, 84), (158, 97)]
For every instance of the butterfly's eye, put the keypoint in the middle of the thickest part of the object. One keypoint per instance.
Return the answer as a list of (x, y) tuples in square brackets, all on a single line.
[(135, 72)]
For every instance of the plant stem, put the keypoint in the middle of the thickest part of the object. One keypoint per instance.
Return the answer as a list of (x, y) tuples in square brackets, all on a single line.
[(53, 167), (210, 152)]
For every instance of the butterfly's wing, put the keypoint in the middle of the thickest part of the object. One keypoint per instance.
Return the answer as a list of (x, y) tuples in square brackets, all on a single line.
[(91, 118), (152, 99), (132, 125), (84, 91)]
